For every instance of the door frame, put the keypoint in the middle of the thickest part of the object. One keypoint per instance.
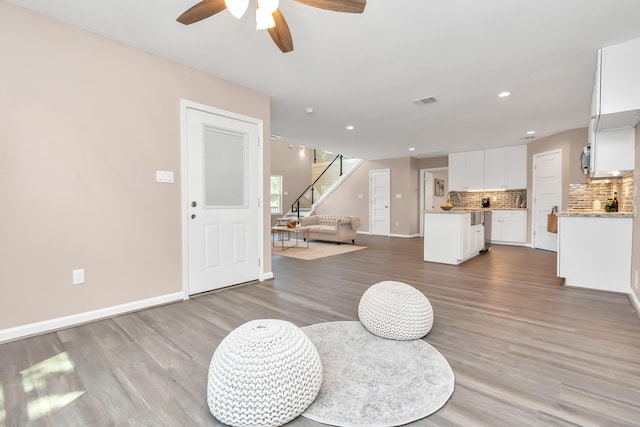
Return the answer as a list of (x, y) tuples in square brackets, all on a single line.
[(184, 106), (422, 200), (535, 156), (388, 174)]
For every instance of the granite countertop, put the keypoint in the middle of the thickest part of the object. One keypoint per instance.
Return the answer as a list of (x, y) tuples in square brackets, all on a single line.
[(467, 210), (595, 214)]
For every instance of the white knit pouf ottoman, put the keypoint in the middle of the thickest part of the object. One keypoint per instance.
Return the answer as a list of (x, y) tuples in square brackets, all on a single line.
[(395, 310), (264, 373)]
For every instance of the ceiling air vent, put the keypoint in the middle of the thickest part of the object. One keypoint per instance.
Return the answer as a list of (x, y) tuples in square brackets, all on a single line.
[(425, 101)]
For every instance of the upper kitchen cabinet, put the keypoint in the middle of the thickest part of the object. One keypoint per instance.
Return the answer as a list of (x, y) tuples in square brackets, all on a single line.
[(617, 85), (615, 109), (466, 171), (505, 168)]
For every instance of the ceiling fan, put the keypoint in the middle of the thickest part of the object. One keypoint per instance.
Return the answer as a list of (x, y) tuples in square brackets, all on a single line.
[(268, 16)]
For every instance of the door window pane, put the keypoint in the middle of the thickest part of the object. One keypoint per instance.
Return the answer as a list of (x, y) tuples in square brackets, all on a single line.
[(224, 168), (276, 194)]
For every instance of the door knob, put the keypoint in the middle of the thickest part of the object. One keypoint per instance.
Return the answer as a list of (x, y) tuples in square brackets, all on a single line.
[(194, 204), (193, 216)]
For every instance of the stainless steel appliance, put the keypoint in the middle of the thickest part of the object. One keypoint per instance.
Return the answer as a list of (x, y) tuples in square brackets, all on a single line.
[(487, 231)]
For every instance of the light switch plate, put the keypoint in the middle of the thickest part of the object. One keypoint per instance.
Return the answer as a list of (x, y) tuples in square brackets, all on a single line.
[(78, 276), (164, 176)]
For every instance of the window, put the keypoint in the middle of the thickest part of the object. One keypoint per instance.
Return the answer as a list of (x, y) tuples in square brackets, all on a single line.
[(276, 194)]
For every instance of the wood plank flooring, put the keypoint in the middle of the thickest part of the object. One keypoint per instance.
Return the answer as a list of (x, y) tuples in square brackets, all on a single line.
[(525, 350)]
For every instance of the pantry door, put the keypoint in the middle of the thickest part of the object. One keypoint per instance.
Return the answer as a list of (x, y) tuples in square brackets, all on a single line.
[(222, 197), (547, 193)]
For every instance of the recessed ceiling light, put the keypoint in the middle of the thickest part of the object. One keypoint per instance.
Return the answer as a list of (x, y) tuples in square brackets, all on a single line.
[(275, 136), (351, 127), (308, 110), (531, 132), (504, 94), (412, 149)]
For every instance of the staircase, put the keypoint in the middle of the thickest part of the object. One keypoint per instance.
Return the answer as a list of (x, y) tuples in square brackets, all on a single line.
[(326, 176)]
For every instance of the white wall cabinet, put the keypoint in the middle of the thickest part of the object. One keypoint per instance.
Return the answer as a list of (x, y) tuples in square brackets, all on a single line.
[(505, 168), (615, 109), (509, 227), (595, 252), (466, 171), (618, 81)]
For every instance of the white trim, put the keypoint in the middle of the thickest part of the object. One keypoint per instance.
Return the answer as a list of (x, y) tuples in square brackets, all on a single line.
[(266, 276), (635, 302), (86, 317), (405, 236), (184, 105)]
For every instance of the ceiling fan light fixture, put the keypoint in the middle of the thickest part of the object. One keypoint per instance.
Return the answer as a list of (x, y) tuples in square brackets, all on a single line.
[(237, 7), (269, 5), (264, 19)]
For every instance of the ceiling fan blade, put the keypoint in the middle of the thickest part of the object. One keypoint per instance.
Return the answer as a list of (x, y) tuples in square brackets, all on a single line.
[(281, 34), (202, 10), (347, 6)]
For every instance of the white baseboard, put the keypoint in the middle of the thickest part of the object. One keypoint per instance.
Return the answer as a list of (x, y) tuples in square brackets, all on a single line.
[(405, 236), (24, 331), (635, 302), (266, 276)]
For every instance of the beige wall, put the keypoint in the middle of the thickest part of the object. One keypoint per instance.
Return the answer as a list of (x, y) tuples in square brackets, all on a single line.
[(433, 162), (635, 261), (294, 164), (571, 142), (85, 124), (352, 197)]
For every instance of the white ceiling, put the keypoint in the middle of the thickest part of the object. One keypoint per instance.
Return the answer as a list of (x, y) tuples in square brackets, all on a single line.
[(366, 69)]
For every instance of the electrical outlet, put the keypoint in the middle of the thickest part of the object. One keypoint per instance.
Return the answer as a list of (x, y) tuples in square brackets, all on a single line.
[(495, 198), (78, 276), (397, 224)]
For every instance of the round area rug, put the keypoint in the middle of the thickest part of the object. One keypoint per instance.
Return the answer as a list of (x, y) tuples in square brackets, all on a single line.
[(375, 382)]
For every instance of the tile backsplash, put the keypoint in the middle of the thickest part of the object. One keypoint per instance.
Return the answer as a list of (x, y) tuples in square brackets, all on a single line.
[(499, 199), (582, 196)]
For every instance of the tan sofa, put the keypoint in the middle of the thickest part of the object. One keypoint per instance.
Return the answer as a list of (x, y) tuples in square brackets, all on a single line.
[(332, 228)]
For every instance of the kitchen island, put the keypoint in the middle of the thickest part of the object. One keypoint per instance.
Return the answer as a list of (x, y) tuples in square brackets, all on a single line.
[(451, 237), (594, 249)]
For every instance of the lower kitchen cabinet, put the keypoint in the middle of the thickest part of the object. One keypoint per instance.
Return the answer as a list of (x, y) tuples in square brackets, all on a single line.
[(449, 238), (595, 252), (509, 227)]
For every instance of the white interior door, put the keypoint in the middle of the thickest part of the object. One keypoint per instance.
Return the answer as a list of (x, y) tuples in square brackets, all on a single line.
[(547, 193), (426, 195), (222, 196), (380, 198)]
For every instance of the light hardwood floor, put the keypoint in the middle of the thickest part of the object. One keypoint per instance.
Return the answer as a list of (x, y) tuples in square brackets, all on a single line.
[(525, 350)]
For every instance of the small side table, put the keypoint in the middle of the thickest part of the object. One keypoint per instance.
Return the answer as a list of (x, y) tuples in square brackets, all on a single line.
[(284, 235)]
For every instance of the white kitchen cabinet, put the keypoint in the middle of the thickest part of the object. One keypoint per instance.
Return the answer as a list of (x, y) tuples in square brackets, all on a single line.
[(476, 239), (466, 171), (615, 109), (595, 252), (505, 168), (612, 150), (619, 82), (509, 227), (449, 237)]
